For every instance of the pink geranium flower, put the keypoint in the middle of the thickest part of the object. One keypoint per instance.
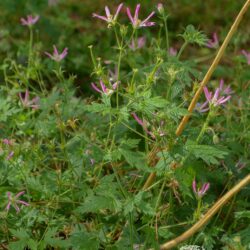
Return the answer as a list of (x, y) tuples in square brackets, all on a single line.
[(156, 130), (27, 103), (247, 55), (110, 19), (143, 124), (214, 42), (136, 22), (30, 20), (56, 56), (104, 89), (200, 191), (225, 89), (12, 200), (217, 98)]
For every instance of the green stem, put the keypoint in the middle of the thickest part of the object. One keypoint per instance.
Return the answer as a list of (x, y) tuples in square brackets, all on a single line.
[(118, 74), (106, 145), (92, 56), (205, 125), (166, 33), (198, 210), (116, 36), (131, 230), (30, 50), (160, 194), (225, 220), (203, 130), (132, 85), (151, 76), (130, 39), (182, 49)]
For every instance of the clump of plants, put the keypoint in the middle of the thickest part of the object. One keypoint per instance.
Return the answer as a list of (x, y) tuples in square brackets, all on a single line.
[(107, 170)]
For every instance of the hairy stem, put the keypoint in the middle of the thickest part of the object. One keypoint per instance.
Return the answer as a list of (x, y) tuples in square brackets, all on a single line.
[(166, 33)]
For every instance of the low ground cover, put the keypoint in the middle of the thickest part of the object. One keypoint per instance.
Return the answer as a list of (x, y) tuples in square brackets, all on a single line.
[(90, 157)]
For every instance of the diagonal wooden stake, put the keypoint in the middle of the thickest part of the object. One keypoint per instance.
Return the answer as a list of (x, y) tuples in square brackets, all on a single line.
[(207, 77), (210, 213)]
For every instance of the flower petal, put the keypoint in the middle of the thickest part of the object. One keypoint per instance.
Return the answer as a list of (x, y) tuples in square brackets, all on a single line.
[(130, 16), (104, 89), (49, 55), (19, 194), (221, 84), (107, 11), (224, 100), (207, 93), (137, 9), (118, 10), (23, 202), (145, 21), (194, 186), (95, 88), (216, 94), (8, 206), (100, 17), (55, 52)]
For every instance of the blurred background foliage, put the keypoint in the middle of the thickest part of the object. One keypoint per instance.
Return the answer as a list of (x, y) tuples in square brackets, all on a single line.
[(69, 23)]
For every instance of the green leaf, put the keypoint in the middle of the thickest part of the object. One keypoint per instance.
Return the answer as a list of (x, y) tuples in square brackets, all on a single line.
[(23, 238), (209, 154), (128, 207), (135, 159), (123, 114), (191, 35), (147, 104), (143, 205), (97, 108), (84, 241), (6, 110), (242, 214), (94, 204), (175, 113), (104, 197), (165, 233), (130, 143), (32, 244), (50, 239), (162, 165)]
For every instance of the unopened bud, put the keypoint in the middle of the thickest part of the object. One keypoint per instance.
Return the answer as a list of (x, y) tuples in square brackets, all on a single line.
[(123, 30), (160, 8), (216, 139)]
